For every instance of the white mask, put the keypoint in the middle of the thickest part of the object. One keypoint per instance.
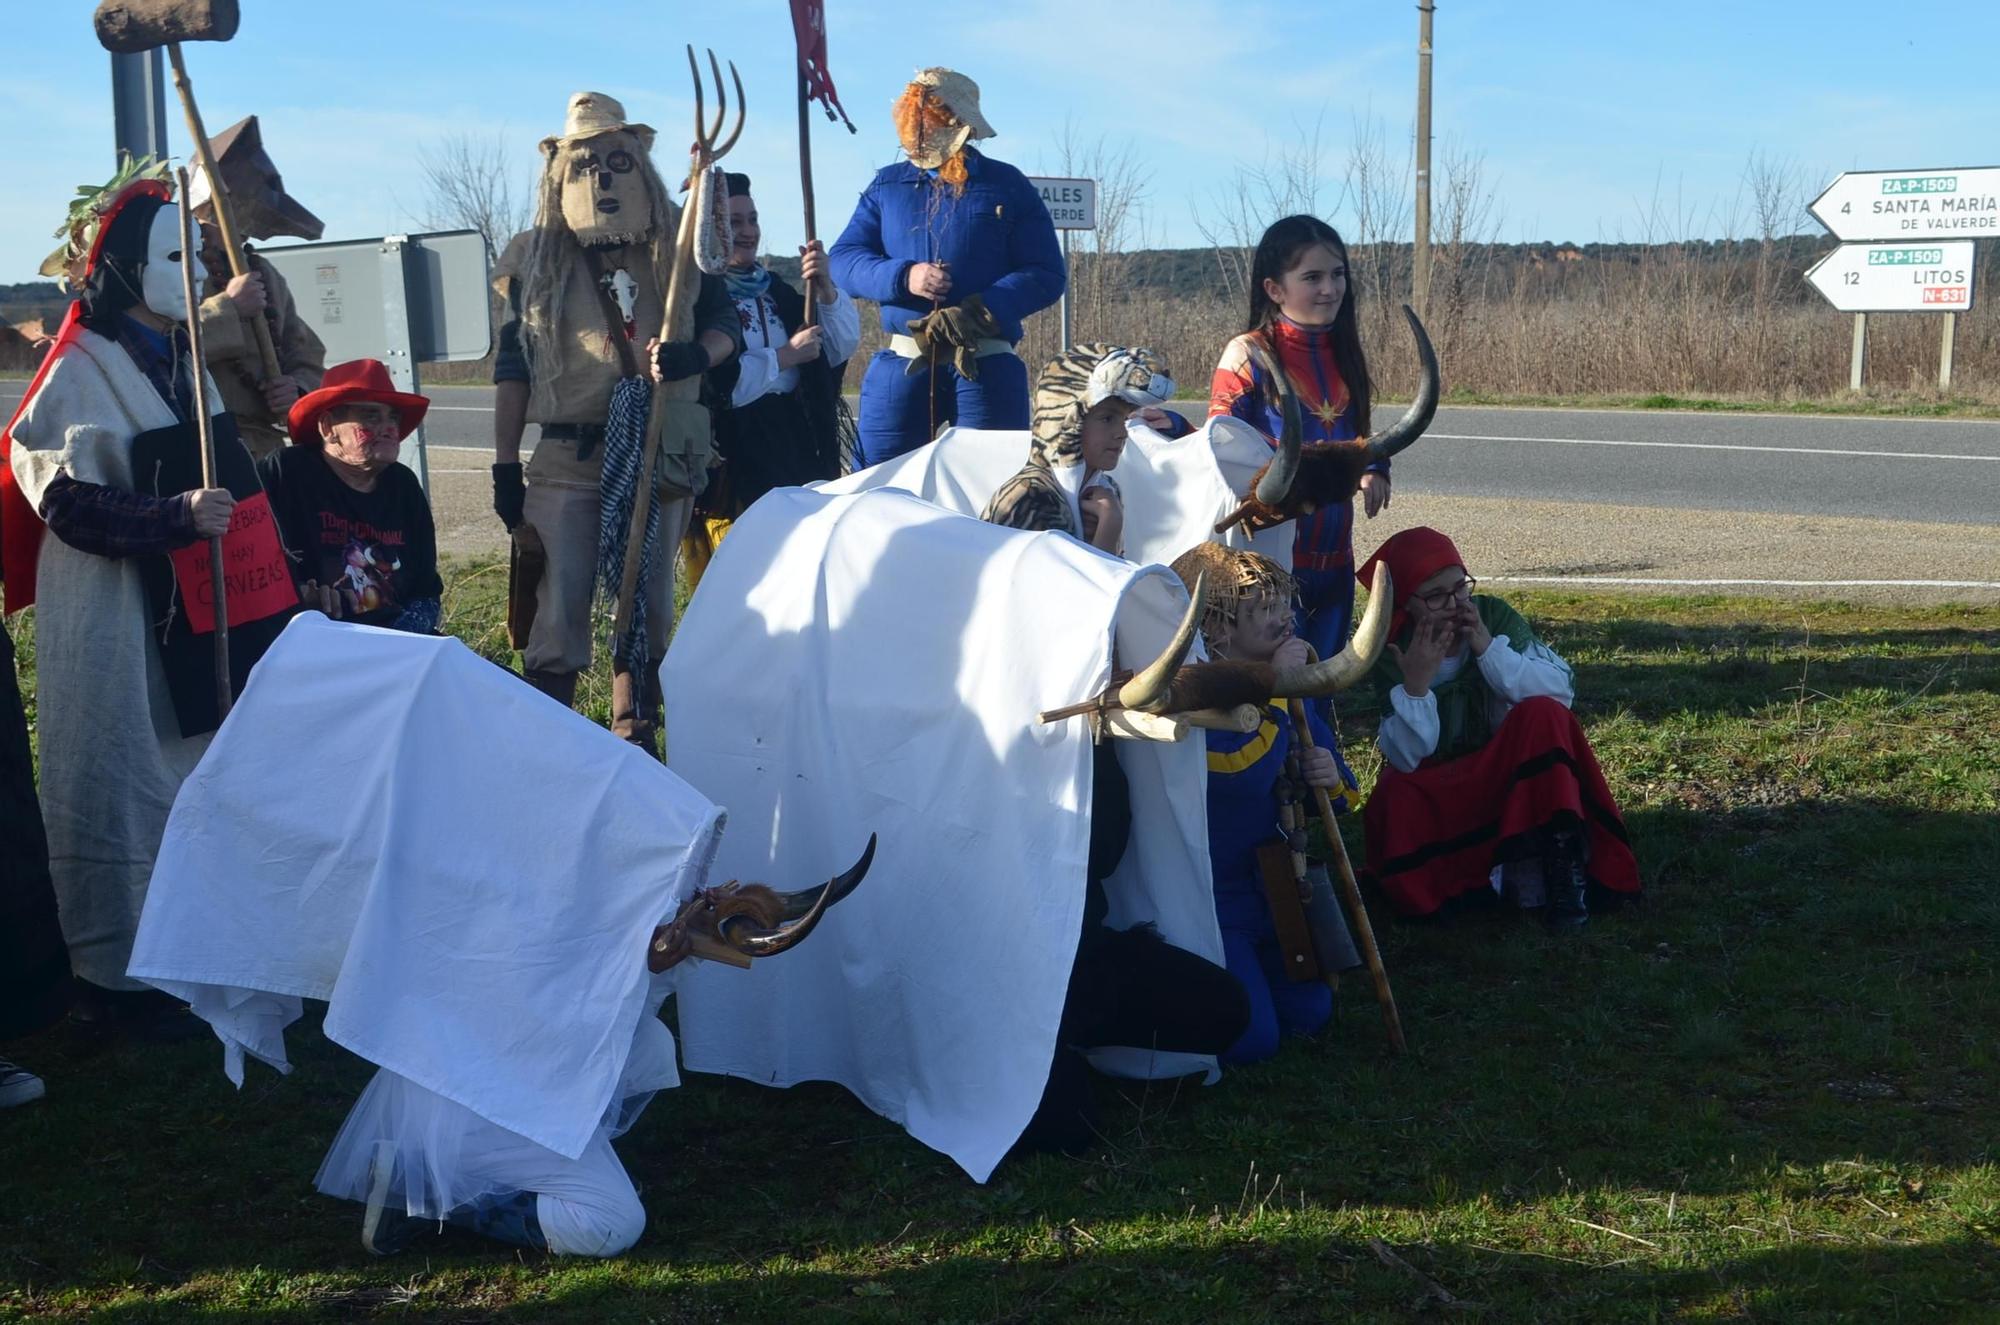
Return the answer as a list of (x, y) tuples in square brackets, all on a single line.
[(160, 281)]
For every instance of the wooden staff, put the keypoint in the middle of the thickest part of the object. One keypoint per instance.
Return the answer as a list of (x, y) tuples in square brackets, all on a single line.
[(218, 589), (1349, 889), (225, 220), (806, 190)]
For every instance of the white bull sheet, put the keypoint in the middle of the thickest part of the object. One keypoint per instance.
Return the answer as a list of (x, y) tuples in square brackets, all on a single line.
[(464, 869), (1174, 489), (871, 662)]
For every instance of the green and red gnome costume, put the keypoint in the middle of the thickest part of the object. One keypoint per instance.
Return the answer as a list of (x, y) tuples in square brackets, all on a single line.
[(103, 458), (1488, 779)]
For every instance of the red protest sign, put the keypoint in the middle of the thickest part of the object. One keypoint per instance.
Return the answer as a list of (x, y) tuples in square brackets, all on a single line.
[(254, 573)]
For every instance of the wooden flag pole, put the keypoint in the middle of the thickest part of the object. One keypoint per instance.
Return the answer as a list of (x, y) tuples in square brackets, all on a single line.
[(218, 592)]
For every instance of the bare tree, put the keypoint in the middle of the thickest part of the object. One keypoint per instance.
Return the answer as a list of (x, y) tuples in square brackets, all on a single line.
[(469, 185), (1285, 183), (1101, 274), (1464, 227)]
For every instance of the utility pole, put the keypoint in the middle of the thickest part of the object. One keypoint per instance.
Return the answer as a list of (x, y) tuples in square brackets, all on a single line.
[(1420, 265)]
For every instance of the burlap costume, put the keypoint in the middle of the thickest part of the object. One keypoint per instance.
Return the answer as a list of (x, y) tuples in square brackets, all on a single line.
[(569, 299)]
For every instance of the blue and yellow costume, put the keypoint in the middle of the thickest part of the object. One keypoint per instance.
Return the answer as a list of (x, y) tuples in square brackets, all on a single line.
[(1243, 773)]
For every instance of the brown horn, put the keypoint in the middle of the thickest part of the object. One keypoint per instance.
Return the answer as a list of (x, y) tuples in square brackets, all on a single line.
[(1276, 483), (1351, 663), (804, 908), (1147, 690), (1418, 416)]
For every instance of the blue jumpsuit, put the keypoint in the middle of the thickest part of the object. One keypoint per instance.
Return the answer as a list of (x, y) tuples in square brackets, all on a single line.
[(1242, 814), (1000, 245)]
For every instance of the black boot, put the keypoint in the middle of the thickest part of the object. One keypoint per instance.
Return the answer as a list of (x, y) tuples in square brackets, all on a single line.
[(1565, 880), (559, 686)]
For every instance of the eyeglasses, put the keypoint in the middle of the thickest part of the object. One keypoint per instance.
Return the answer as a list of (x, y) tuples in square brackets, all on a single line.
[(1440, 599)]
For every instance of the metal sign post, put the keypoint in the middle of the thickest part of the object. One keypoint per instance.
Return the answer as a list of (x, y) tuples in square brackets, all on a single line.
[(403, 299), (1072, 205), (139, 105)]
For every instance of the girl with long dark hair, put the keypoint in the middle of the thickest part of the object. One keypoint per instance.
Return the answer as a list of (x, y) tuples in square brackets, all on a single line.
[(1302, 319)]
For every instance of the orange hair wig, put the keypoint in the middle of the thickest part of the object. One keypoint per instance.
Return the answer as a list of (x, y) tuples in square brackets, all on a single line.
[(921, 118)]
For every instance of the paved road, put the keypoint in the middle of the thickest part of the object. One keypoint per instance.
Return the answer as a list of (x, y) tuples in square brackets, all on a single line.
[(1935, 471), (1591, 493)]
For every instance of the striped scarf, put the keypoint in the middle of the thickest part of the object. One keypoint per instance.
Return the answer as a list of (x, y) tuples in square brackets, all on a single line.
[(624, 450)]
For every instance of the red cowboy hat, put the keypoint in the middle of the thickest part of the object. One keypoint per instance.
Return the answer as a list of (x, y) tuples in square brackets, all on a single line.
[(360, 382)]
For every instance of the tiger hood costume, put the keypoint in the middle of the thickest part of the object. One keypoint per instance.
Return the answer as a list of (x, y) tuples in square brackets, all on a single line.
[(1046, 491)]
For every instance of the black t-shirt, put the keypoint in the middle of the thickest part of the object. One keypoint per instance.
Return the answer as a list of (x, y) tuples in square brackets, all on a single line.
[(379, 549)]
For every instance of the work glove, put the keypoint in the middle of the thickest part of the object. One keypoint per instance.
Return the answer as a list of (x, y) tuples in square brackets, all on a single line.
[(510, 495), (955, 331), (676, 359)]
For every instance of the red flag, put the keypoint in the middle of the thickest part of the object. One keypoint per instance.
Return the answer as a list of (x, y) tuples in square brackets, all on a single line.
[(809, 26)]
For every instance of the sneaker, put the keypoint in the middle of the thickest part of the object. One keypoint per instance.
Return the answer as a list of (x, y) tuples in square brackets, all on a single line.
[(384, 1231), (18, 1085)]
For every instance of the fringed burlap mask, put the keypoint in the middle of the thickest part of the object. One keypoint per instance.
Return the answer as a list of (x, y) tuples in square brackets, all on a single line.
[(605, 199)]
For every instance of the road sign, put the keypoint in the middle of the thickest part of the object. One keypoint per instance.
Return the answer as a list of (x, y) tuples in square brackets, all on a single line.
[(1912, 204), (1072, 203), (1897, 278), (405, 300)]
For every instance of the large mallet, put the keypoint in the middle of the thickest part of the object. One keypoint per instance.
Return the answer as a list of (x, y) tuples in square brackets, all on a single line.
[(128, 27)]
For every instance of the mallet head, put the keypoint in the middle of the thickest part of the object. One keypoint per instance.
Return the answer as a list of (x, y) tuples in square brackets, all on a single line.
[(126, 27)]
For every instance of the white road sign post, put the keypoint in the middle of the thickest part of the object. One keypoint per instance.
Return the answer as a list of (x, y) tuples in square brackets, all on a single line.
[(1912, 204), (1933, 215), (1072, 205)]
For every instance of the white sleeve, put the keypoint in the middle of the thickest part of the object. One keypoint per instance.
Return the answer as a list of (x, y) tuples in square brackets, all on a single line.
[(757, 374), (1409, 731), (1514, 677), (842, 321)]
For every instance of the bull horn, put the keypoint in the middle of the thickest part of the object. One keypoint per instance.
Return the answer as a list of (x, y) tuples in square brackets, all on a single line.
[(804, 908), (1276, 483), (1351, 663), (1418, 416), (1147, 690)]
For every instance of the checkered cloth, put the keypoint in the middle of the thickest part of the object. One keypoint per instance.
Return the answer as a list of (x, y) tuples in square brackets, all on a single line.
[(624, 451)]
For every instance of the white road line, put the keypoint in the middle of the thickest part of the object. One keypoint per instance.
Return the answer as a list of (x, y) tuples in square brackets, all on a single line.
[(1785, 584), (1711, 446)]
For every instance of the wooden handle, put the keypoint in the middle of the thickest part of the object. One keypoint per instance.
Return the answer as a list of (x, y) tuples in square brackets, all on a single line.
[(225, 220), (218, 587), (1350, 892)]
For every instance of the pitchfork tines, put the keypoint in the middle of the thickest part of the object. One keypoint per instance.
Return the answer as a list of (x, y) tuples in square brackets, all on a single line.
[(709, 144)]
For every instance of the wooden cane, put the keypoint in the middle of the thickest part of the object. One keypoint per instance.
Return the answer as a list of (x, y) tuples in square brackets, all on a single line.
[(1350, 890), (225, 220), (218, 589)]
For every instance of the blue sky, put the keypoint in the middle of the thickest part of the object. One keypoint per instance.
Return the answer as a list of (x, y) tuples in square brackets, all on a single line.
[(1584, 112)]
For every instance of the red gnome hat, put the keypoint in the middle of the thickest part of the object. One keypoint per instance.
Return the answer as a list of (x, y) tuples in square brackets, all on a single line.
[(1412, 557)]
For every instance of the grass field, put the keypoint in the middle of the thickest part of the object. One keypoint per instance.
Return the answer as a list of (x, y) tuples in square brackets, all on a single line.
[(1767, 1093)]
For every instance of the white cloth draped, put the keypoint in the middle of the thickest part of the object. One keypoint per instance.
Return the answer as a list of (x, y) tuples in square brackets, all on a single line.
[(1174, 490), (464, 869), (871, 662)]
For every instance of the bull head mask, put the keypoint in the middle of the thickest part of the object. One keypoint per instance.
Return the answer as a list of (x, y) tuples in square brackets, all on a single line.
[(1172, 685), (739, 922)]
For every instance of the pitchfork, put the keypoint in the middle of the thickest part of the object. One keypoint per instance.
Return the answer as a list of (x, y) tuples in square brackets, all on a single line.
[(682, 283)]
